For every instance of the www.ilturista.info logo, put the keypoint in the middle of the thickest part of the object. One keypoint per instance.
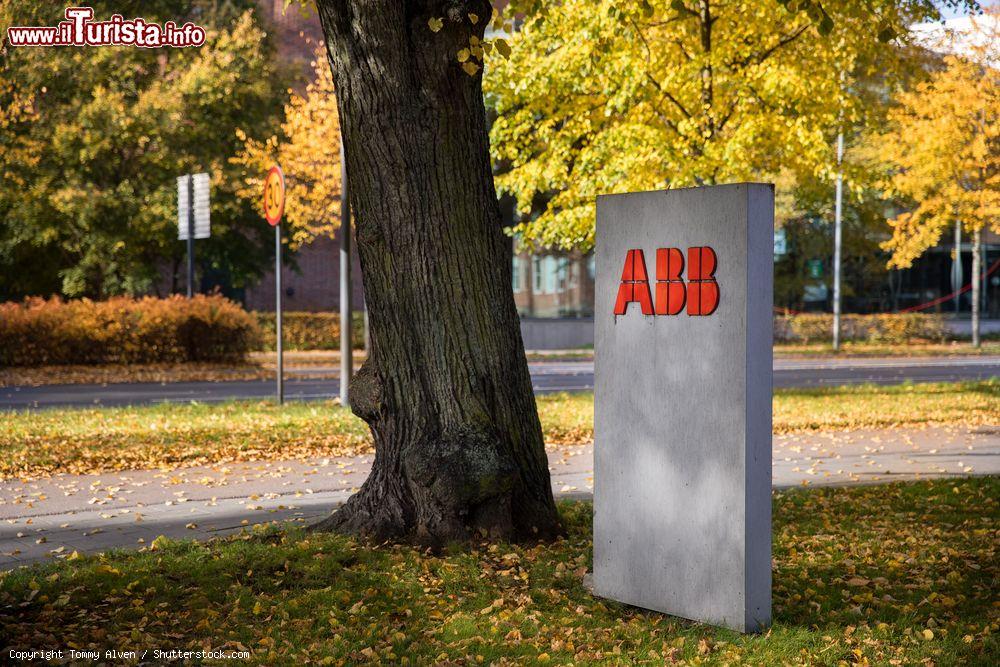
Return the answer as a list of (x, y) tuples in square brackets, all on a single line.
[(79, 29)]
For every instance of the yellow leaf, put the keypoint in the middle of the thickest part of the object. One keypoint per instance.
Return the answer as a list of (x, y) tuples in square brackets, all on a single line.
[(503, 48), (470, 68), (435, 24), (473, 18), (463, 55), (928, 634)]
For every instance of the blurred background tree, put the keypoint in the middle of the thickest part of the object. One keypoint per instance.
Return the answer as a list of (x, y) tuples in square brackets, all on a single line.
[(941, 151), (92, 139), (617, 96), (941, 154)]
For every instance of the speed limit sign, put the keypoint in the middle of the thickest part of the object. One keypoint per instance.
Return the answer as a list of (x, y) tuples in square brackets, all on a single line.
[(274, 195), (274, 208)]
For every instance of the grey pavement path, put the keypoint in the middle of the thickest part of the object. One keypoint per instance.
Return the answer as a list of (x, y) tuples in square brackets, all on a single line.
[(51, 518), (547, 376)]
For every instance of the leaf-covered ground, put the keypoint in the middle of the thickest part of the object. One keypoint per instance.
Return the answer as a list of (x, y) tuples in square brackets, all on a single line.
[(851, 349), (119, 373), (874, 406), (901, 574), (41, 443)]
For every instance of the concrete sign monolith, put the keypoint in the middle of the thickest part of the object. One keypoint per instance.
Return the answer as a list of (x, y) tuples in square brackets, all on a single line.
[(682, 453)]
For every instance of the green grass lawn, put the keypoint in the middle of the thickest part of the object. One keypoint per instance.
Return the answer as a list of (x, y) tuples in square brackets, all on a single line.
[(46, 442), (902, 574)]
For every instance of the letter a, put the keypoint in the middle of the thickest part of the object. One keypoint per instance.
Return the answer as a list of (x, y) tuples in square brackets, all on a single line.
[(635, 285)]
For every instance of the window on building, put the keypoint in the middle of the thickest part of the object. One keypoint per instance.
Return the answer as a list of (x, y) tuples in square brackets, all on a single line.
[(515, 273), (538, 275), (551, 274)]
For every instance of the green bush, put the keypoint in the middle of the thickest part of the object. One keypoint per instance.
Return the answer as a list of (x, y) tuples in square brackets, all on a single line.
[(125, 330), (891, 328), (310, 331)]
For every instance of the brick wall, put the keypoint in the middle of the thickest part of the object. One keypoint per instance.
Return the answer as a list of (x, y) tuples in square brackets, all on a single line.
[(314, 287)]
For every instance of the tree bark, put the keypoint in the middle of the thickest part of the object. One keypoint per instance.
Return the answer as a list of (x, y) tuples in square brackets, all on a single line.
[(977, 282), (446, 391)]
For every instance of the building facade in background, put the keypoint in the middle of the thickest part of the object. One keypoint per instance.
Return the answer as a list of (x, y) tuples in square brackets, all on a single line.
[(555, 284)]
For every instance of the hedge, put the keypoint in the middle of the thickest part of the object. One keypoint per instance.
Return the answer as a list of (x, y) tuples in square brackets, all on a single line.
[(310, 331), (39, 332), (883, 328), (321, 331)]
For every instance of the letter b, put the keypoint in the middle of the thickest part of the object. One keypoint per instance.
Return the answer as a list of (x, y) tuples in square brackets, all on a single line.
[(702, 289), (670, 295)]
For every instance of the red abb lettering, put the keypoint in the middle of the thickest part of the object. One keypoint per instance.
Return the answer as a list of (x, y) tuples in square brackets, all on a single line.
[(669, 284), (700, 293), (703, 290), (635, 284)]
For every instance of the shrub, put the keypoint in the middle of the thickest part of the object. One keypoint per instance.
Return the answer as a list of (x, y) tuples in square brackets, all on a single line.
[(889, 328), (310, 331), (125, 330)]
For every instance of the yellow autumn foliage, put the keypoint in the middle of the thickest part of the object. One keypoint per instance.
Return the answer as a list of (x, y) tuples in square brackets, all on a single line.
[(308, 151), (616, 96), (943, 149)]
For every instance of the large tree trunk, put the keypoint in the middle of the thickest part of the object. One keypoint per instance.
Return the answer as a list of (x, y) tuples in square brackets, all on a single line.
[(446, 391)]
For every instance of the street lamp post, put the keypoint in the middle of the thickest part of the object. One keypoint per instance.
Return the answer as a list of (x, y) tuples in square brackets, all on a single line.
[(346, 361), (837, 235)]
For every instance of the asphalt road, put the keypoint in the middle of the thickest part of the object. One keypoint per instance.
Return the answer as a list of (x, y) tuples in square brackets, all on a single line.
[(547, 377)]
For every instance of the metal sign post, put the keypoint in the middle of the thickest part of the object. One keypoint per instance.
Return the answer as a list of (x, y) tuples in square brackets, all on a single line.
[(277, 312), (274, 208), (193, 216), (190, 238)]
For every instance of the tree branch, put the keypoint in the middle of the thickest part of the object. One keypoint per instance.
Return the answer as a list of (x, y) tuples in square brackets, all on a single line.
[(758, 58)]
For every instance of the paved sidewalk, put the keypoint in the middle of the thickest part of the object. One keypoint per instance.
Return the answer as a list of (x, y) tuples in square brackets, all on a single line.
[(51, 518)]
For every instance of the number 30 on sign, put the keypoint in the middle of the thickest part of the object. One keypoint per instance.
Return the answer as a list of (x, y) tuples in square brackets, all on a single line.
[(274, 195)]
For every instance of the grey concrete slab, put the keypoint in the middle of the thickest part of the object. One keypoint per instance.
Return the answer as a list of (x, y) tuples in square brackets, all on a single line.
[(682, 407)]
